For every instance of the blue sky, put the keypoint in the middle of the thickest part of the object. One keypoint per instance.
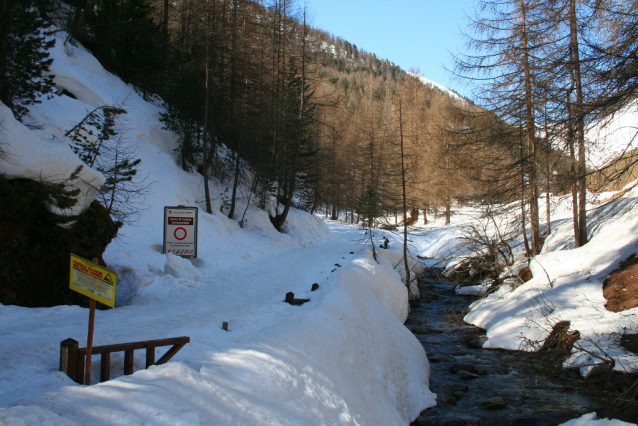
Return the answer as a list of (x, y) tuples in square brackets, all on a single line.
[(419, 33)]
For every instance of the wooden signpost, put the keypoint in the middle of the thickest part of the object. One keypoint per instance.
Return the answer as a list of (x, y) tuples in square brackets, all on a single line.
[(97, 283)]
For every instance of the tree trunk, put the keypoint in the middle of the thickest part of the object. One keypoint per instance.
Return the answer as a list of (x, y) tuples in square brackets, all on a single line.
[(405, 204), (206, 146), (580, 126), (233, 110), (523, 212), (530, 138), (548, 172), (278, 221)]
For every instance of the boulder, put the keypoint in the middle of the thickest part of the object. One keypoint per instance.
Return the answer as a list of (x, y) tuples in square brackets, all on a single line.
[(466, 375), (496, 403), (455, 421), (477, 343), (525, 274), (420, 329), (533, 421), (456, 367)]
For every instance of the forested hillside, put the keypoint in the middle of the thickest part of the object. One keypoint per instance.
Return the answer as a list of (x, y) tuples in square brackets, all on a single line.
[(317, 120), (270, 106)]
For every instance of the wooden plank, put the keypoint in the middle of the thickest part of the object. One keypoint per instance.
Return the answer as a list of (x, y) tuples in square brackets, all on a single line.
[(170, 353), (80, 365), (123, 347), (89, 342), (74, 358)]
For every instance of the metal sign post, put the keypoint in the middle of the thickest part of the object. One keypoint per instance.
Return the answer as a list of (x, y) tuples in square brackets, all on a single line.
[(180, 230), (97, 283)]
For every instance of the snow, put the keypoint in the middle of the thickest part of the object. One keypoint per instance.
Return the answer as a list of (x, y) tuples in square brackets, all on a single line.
[(592, 419), (474, 290), (344, 357), (612, 137), (567, 283), (567, 286), (181, 268), (36, 155), (426, 81)]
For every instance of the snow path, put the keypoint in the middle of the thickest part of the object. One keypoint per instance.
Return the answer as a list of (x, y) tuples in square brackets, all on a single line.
[(299, 363)]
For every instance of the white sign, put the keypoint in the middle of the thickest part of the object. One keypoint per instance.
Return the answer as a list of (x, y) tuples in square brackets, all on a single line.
[(180, 231)]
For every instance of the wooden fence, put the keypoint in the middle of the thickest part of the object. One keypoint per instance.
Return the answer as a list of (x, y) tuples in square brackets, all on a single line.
[(72, 358)]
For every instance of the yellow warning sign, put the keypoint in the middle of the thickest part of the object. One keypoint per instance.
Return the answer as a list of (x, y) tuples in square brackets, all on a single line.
[(93, 280)]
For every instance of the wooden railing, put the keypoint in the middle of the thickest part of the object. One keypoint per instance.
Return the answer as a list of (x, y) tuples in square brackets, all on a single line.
[(72, 358)]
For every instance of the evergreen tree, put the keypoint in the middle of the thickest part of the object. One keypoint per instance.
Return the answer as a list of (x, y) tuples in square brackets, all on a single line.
[(368, 205), (123, 37), (24, 60), (99, 143)]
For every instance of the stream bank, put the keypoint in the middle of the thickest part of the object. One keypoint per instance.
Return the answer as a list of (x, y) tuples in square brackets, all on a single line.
[(477, 386)]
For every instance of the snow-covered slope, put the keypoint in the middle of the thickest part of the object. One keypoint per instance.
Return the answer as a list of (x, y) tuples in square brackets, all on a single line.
[(567, 283), (567, 286), (426, 81), (611, 138), (42, 155), (343, 358)]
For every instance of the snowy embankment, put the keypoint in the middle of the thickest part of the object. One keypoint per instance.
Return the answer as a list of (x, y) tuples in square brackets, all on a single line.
[(567, 285), (343, 358)]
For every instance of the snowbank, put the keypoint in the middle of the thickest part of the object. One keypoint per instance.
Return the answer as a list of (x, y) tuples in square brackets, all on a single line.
[(342, 358), (567, 286), (44, 157), (592, 419)]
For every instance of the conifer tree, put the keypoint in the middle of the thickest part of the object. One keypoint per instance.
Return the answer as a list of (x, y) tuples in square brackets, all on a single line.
[(124, 38), (24, 60), (99, 142), (509, 36)]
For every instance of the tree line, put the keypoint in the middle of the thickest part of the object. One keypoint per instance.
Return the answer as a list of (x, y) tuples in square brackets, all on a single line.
[(278, 110)]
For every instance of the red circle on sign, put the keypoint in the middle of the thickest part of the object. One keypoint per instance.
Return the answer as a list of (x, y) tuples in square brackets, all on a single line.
[(175, 233)]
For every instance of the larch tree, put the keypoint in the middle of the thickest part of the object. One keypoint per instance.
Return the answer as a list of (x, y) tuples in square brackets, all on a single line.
[(510, 35)]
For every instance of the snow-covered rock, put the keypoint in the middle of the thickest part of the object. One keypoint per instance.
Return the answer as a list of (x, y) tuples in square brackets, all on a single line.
[(181, 268), (42, 156)]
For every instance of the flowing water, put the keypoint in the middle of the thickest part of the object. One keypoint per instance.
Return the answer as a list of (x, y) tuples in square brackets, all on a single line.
[(493, 387)]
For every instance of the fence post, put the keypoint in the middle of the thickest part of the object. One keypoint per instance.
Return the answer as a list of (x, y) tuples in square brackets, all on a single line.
[(128, 361), (69, 358), (80, 364), (105, 367), (150, 356)]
